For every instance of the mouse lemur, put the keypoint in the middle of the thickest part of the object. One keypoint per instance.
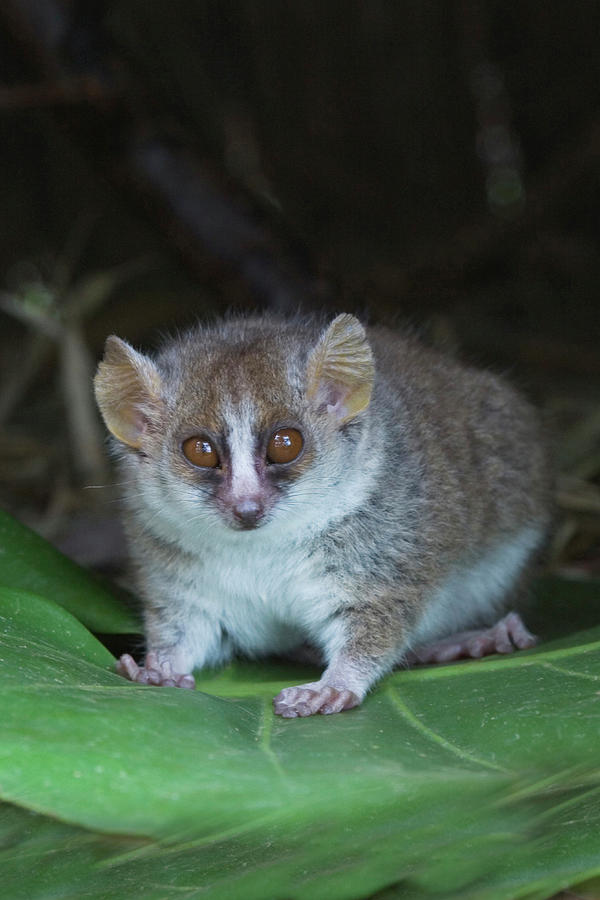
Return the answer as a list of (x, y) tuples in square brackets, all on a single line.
[(291, 483)]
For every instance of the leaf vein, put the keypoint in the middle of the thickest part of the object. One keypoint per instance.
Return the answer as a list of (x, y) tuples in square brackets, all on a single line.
[(436, 738)]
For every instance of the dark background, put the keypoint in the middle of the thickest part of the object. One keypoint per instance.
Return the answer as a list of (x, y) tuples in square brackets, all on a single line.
[(435, 163)]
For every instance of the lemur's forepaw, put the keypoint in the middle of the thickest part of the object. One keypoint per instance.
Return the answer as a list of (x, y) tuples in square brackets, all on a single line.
[(154, 671), (308, 699)]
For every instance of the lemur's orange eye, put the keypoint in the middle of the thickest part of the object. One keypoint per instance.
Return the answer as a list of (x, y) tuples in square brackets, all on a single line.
[(285, 445), (200, 452)]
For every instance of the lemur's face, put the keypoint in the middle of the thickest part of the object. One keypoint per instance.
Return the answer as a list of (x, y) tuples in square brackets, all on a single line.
[(240, 426)]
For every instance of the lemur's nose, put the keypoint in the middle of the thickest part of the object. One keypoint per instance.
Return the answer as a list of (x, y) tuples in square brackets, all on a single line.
[(248, 512)]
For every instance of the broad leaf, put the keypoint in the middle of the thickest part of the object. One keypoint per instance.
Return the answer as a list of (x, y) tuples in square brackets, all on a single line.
[(472, 780), (29, 563)]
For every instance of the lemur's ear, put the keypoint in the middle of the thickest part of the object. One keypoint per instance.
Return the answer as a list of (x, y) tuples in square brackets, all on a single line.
[(127, 387), (340, 371)]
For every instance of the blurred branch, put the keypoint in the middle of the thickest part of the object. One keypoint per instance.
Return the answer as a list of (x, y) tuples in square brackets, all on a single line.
[(17, 382), (199, 213), (33, 308), (76, 371), (496, 142), (581, 449), (87, 436), (91, 291), (488, 238), (577, 495), (55, 313), (200, 208)]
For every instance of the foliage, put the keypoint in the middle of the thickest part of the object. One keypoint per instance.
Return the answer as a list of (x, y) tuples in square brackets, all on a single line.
[(27, 562), (475, 780)]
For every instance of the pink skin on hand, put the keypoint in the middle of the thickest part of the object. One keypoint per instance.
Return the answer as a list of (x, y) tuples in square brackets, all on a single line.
[(505, 636), (154, 671), (308, 699)]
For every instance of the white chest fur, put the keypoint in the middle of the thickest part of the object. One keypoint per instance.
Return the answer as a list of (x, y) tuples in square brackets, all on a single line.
[(267, 597)]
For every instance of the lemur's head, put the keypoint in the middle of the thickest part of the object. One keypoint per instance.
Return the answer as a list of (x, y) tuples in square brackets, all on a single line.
[(242, 423)]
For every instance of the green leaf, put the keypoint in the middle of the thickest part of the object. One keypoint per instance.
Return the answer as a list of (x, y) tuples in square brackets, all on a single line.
[(28, 562), (475, 780)]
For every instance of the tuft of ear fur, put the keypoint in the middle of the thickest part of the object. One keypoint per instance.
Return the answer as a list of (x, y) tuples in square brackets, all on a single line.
[(127, 387), (340, 371)]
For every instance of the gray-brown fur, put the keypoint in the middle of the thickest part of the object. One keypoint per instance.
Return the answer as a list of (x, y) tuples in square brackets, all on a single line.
[(406, 486)]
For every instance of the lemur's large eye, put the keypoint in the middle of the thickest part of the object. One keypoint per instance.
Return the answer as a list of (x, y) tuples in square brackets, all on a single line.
[(285, 445), (200, 452)]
